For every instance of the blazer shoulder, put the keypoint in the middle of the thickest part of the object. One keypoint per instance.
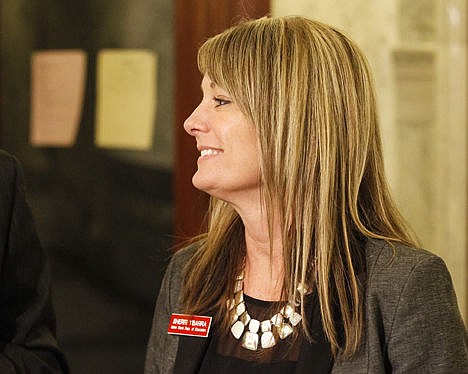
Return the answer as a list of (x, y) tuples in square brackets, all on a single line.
[(398, 274), (394, 259), (394, 269), (175, 271), (184, 254), (180, 258)]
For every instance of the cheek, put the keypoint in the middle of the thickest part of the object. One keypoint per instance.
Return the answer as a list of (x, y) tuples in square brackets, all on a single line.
[(249, 159), (253, 150)]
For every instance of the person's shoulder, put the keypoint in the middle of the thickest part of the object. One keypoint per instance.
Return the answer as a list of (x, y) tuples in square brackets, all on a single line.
[(5, 156), (184, 254), (181, 257), (391, 265), (382, 254), (10, 175), (8, 163), (401, 277)]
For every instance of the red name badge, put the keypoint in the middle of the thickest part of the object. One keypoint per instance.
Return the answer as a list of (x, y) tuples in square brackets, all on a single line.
[(185, 324)]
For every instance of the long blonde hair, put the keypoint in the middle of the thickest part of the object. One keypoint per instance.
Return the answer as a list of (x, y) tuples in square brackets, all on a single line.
[(308, 91)]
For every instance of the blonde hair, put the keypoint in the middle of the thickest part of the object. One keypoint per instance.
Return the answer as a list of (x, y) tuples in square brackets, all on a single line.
[(308, 91)]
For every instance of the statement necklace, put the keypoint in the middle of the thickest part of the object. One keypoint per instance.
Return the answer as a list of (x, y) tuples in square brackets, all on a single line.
[(267, 332)]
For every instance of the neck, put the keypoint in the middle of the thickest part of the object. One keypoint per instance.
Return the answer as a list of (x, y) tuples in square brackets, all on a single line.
[(264, 269)]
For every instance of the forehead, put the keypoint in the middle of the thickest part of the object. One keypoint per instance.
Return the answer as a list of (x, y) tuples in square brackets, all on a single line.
[(207, 82)]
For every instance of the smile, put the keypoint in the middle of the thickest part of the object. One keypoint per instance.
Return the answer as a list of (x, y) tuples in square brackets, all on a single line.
[(210, 152)]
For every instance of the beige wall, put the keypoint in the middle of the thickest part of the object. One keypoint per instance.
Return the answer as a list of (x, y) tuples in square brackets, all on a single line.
[(417, 50)]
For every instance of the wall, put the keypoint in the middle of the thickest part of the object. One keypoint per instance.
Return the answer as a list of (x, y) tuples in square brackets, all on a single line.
[(417, 50), (104, 216), (109, 209)]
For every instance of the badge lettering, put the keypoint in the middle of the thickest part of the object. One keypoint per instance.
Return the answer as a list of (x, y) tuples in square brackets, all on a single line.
[(189, 325)]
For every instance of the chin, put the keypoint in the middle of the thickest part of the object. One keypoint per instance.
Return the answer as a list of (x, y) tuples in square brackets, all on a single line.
[(203, 184), (210, 187)]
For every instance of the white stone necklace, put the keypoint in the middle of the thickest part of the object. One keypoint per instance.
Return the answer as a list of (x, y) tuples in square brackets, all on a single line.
[(266, 332)]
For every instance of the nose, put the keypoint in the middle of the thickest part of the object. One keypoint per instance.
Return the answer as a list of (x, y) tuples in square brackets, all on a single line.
[(195, 122)]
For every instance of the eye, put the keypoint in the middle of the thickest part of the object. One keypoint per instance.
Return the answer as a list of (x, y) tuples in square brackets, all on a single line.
[(220, 101)]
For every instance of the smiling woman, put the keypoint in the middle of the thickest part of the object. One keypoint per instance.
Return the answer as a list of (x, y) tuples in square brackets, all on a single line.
[(307, 265)]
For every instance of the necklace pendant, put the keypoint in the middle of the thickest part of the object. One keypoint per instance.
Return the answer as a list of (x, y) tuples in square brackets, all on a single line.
[(285, 330), (233, 316), (254, 325), (240, 309), (267, 340), (237, 329), (250, 341), (277, 319), (295, 319), (287, 311), (245, 318), (265, 325)]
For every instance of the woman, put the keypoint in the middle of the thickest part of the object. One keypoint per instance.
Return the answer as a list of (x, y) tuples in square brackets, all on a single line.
[(306, 266)]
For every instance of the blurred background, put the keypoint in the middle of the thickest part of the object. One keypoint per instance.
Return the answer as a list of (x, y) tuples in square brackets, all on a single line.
[(109, 217)]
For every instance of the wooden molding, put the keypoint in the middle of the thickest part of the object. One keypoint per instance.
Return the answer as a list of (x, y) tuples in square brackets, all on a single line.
[(195, 21)]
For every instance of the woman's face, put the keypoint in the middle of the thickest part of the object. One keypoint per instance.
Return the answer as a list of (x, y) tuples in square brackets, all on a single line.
[(228, 166)]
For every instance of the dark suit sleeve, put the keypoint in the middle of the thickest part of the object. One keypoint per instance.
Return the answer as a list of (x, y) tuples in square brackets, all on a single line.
[(162, 347), (27, 320), (428, 334)]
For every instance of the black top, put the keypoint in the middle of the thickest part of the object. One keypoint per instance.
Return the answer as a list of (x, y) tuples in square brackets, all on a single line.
[(222, 353)]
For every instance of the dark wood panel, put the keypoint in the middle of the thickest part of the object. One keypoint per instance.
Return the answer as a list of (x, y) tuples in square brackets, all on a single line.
[(195, 22)]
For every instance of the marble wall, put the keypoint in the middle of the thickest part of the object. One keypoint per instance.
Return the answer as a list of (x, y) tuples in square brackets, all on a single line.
[(417, 50)]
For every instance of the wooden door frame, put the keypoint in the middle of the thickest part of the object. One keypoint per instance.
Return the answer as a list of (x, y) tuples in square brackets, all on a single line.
[(195, 21)]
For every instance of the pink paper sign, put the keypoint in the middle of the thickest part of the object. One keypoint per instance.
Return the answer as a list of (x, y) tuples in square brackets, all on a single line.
[(57, 91)]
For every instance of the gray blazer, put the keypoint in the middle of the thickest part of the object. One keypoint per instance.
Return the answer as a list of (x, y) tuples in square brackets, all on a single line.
[(413, 324)]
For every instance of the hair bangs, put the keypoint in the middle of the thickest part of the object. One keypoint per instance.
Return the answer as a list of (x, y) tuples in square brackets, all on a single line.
[(232, 61)]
